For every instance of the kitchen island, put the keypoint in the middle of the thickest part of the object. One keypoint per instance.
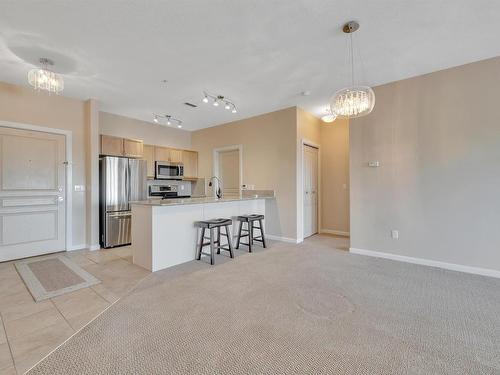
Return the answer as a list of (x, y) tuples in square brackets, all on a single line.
[(163, 230)]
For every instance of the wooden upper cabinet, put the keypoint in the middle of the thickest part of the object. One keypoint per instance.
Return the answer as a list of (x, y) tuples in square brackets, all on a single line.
[(190, 160), (168, 154), (162, 153), (111, 145), (133, 148), (149, 156), (175, 156), (116, 146)]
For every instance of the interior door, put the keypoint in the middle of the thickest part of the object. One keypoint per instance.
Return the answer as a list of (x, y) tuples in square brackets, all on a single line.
[(310, 174), (32, 193), (229, 172)]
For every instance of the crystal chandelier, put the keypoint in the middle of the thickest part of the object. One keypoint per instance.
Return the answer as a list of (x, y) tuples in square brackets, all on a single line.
[(45, 79), (354, 101)]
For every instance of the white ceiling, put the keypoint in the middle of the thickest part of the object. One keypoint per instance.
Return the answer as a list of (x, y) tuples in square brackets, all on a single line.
[(261, 54)]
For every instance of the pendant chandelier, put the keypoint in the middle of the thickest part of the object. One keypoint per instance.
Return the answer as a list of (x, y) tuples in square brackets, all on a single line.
[(45, 79), (353, 101)]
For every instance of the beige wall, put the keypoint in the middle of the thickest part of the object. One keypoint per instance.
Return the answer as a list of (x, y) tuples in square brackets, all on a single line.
[(269, 160), (150, 133), (23, 105), (437, 138), (335, 177)]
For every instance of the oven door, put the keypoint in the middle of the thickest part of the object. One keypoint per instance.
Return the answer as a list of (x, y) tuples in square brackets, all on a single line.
[(167, 171)]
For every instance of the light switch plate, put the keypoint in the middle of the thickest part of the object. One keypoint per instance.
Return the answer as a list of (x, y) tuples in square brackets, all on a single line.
[(394, 234), (79, 187), (374, 164)]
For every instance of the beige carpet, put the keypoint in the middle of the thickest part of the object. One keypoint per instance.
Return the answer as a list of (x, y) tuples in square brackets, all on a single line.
[(306, 309), (53, 275)]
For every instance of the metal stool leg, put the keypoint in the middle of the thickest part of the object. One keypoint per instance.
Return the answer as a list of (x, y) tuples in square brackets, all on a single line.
[(262, 234), (212, 246), (239, 235), (229, 242), (218, 240), (250, 235), (199, 248)]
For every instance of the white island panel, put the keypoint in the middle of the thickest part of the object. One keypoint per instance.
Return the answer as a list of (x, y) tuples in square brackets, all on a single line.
[(165, 235)]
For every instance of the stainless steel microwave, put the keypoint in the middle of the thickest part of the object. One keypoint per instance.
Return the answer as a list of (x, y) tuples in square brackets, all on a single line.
[(165, 170)]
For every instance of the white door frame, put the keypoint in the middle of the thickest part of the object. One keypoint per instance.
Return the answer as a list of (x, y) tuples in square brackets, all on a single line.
[(216, 153), (68, 134), (300, 188)]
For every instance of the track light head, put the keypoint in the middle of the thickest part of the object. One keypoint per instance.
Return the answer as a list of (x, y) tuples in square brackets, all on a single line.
[(234, 110), (155, 119), (227, 106), (216, 102), (205, 99)]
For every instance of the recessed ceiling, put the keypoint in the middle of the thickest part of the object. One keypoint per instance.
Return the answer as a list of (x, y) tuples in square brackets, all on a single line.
[(262, 54)]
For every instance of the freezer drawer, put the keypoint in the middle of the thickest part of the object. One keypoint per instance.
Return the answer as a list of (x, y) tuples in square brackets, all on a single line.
[(117, 228)]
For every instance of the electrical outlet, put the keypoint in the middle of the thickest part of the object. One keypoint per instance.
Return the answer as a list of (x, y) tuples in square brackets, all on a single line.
[(394, 234)]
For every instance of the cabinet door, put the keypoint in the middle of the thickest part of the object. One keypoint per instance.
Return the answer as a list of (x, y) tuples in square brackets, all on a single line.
[(149, 156), (111, 145), (133, 148), (190, 160), (175, 156), (162, 154)]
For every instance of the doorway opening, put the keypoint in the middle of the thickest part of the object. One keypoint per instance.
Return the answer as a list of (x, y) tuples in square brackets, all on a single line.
[(310, 155), (228, 168)]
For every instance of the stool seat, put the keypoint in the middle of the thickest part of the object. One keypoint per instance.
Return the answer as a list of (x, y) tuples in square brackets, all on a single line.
[(213, 223), (251, 217)]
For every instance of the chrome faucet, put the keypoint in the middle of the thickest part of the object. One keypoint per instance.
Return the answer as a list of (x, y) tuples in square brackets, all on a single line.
[(219, 191)]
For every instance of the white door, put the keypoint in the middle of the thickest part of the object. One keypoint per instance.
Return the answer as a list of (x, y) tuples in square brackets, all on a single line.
[(229, 172), (32, 193), (310, 190)]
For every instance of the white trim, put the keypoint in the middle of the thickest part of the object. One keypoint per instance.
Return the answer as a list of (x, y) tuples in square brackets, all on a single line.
[(94, 247), (428, 262), (283, 239), (300, 187), (216, 152), (335, 232), (78, 247), (69, 169)]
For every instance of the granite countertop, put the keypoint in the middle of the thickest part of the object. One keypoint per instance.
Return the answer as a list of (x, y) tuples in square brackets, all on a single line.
[(201, 200)]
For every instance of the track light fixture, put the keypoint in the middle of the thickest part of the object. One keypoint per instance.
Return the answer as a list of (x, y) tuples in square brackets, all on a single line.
[(219, 99), (170, 120)]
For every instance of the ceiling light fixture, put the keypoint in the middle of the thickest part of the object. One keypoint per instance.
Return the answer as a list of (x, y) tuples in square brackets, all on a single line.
[(45, 79), (169, 118), (329, 116), (353, 101), (219, 99)]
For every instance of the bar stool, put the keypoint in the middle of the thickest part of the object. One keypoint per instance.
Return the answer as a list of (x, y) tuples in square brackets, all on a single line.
[(249, 231), (214, 225)]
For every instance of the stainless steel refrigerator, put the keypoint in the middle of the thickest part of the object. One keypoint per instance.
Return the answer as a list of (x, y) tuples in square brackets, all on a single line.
[(122, 180)]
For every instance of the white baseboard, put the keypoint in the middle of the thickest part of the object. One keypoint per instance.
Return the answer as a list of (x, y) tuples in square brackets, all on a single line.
[(428, 262), (335, 232), (84, 246), (77, 247), (282, 239)]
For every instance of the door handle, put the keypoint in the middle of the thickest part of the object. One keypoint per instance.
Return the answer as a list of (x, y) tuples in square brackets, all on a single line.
[(60, 199)]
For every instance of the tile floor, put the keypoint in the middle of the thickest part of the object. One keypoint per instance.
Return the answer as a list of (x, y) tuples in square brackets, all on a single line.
[(29, 331)]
